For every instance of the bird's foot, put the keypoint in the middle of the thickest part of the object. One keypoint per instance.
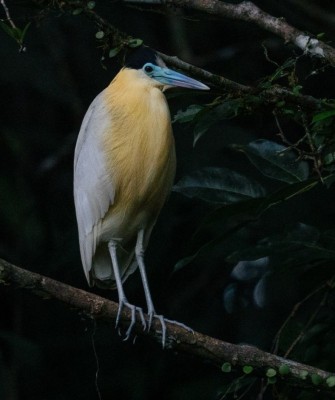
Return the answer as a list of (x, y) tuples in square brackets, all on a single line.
[(133, 309), (163, 325), (163, 321)]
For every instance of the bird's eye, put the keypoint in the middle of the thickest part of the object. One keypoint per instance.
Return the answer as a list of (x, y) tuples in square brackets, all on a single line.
[(148, 68)]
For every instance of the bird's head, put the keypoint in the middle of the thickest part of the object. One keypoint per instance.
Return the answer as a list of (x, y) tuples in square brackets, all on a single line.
[(153, 69)]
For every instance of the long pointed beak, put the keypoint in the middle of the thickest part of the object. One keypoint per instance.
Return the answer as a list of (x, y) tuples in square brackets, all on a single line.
[(172, 78)]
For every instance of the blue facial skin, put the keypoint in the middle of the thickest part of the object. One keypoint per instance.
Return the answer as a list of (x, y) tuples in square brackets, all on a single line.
[(168, 77)]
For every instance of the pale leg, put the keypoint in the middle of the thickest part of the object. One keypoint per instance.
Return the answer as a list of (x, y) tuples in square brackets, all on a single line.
[(139, 251), (112, 246)]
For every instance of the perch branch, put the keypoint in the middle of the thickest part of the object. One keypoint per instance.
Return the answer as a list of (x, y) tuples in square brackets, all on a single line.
[(178, 338)]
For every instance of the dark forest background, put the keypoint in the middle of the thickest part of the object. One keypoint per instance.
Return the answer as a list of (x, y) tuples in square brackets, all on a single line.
[(243, 286)]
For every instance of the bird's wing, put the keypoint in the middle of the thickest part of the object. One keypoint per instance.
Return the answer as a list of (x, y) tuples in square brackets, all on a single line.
[(93, 188)]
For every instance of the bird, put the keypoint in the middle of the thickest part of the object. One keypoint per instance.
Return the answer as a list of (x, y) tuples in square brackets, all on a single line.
[(124, 167)]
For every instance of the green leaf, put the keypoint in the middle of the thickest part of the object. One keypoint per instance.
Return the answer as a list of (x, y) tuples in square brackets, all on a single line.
[(330, 381), (115, 51), (14, 33), (329, 158), (284, 369), (133, 43), (247, 369), (91, 5), (188, 115), (270, 373), (275, 161), (219, 185), (243, 212), (323, 115), (100, 34), (224, 110), (303, 375), (296, 89), (316, 379), (226, 367), (272, 380), (25, 29), (77, 11)]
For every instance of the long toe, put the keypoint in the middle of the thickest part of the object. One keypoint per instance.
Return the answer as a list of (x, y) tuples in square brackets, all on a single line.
[(162, 321), (121, 304), (140, 311), (132, 321), (179, 324), (134, 310)]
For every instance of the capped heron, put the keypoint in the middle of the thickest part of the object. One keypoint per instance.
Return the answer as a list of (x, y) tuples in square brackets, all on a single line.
[(124, 168)]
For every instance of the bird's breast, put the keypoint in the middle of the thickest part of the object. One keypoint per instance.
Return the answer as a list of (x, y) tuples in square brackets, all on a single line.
[(139, 153)]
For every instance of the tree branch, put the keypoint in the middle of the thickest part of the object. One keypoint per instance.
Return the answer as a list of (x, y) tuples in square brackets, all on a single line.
[(249, 12), (178, 338), (118, 38)]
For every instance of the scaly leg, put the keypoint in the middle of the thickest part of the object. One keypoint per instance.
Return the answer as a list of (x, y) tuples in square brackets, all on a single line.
[(139, 251), (112, 246)]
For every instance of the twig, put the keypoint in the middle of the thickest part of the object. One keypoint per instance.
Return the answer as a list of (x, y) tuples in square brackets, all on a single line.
[(178, 338), (294, 311), (9, 19)]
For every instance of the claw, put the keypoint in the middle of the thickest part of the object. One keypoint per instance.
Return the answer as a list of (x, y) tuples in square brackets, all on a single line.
[(140, 311), (133, 310)]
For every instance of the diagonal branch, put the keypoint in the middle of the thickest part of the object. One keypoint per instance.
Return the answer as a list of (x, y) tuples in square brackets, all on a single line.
[(178, 338), (249, 12)]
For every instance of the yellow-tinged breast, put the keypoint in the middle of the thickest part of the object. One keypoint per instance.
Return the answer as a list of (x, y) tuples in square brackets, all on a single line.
[(138, 145)]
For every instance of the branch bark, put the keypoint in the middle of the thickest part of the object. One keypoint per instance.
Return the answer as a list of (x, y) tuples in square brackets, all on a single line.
[(249, 12), (178, 338)]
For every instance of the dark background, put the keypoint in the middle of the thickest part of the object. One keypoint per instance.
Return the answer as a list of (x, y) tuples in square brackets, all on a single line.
[(46, 349)]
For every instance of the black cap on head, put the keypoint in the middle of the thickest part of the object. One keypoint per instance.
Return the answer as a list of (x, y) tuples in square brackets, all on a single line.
[(140, 56)]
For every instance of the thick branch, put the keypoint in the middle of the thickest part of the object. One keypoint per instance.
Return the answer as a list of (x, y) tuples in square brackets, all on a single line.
[(178, 339), (249, 12)]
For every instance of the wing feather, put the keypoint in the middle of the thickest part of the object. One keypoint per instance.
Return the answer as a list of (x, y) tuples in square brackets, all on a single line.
[(93, 190)]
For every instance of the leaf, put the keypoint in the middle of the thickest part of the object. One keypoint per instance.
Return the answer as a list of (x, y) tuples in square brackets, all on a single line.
[(77, 11), (243, 212), (284, 369), (15, 33), (133, 43), (226, 367), (25, 29), (330, 381), (247, 369), (115, 51), (219, 185), (100, 34), (91, 5), (188, 115), (323, 115), (303, 375), (316, 379), (275, 161), (270, 373), (225, 110)]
